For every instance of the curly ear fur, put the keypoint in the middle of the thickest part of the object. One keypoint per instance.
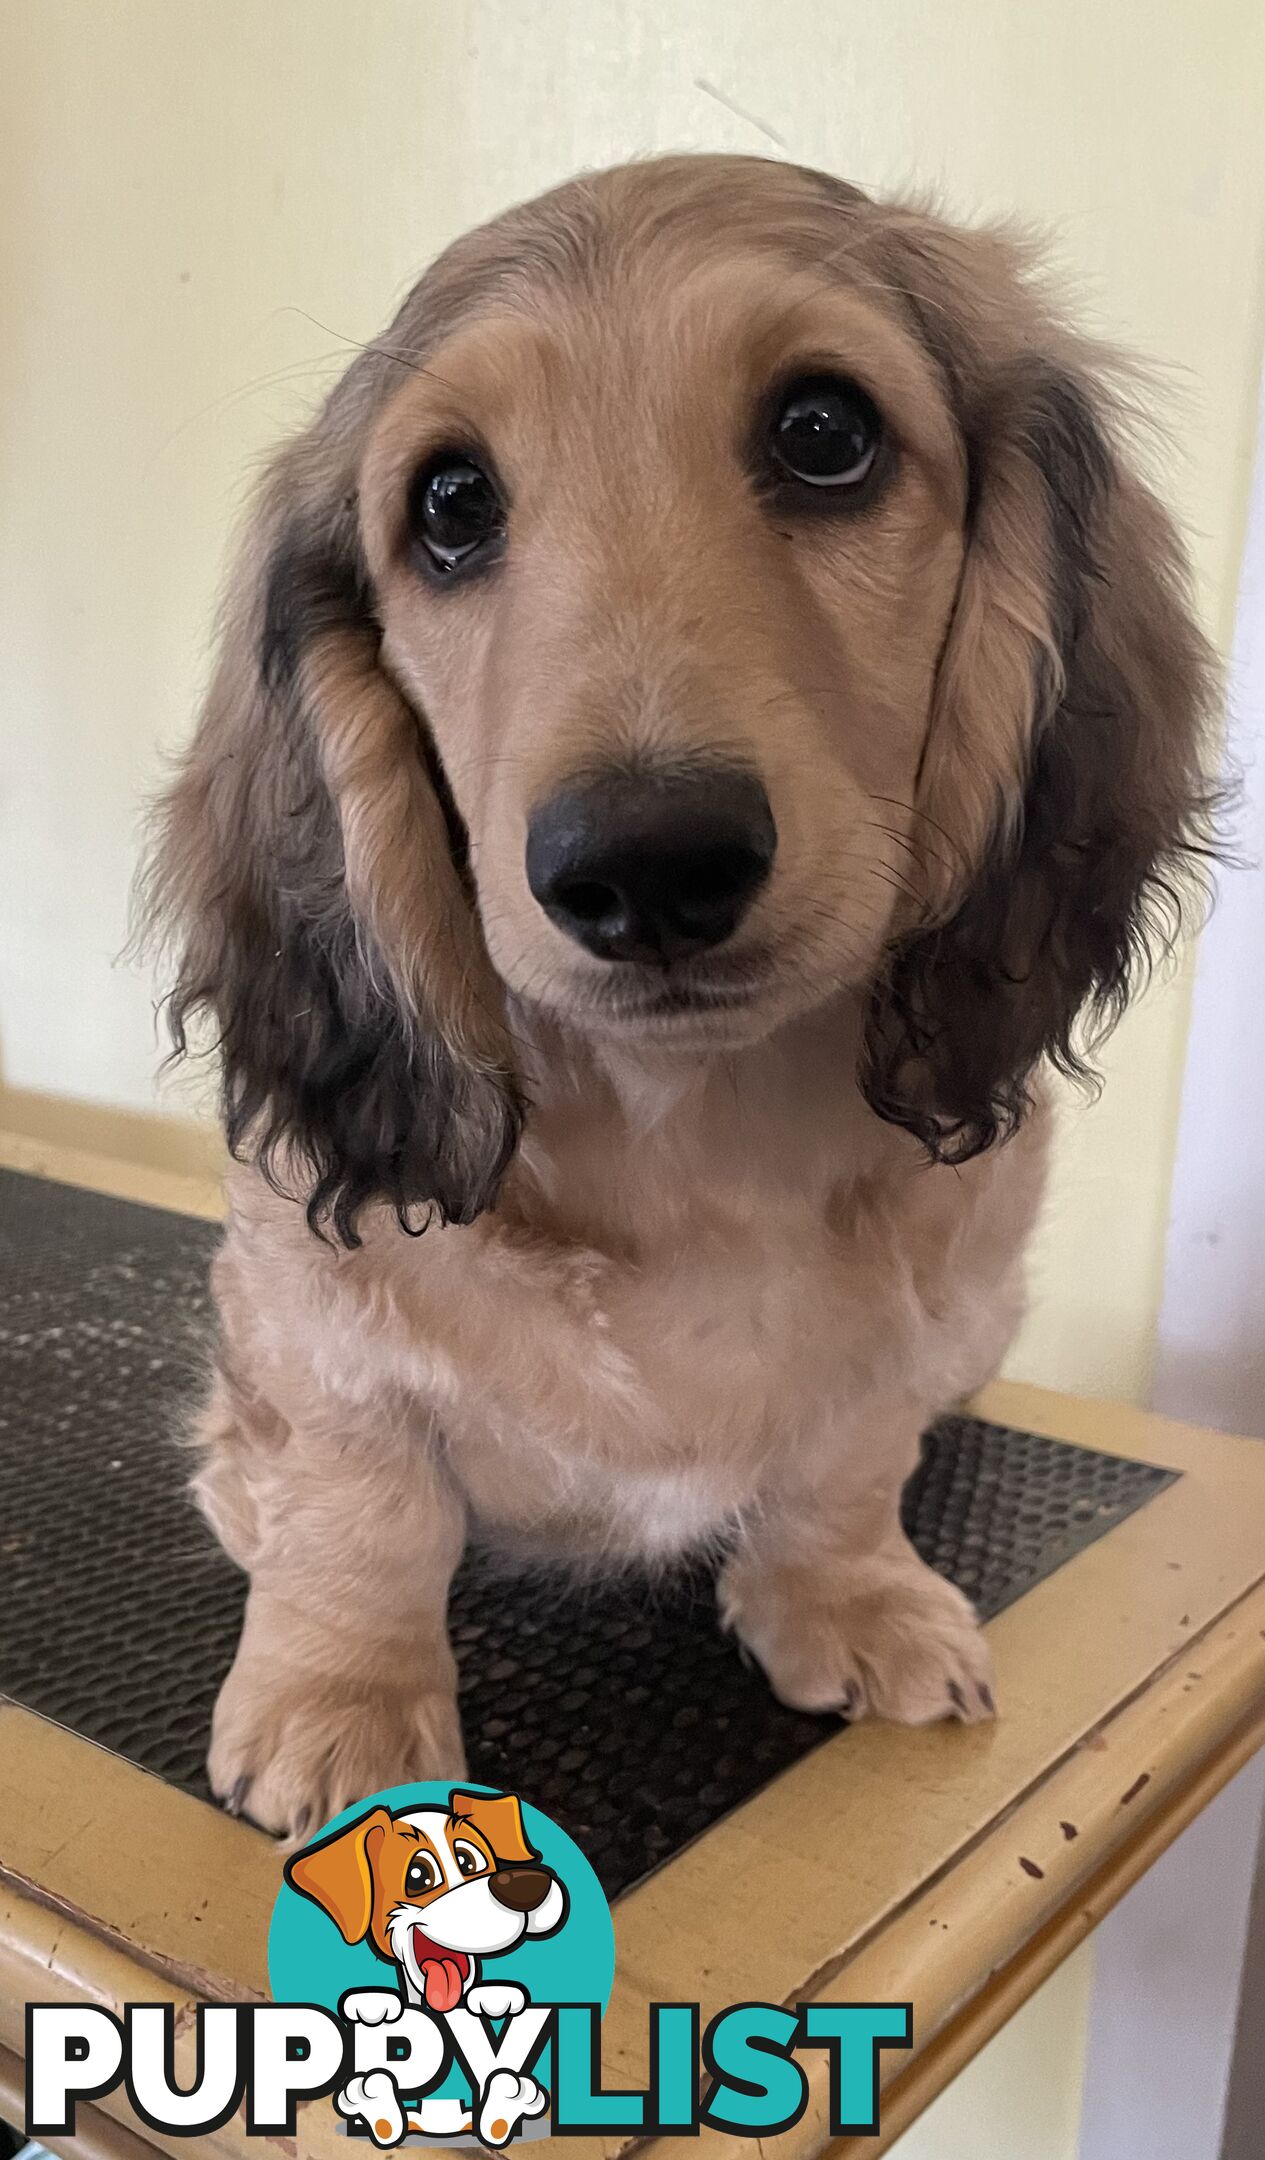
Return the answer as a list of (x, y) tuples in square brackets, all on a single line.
[(305, 869), (1064, 757)]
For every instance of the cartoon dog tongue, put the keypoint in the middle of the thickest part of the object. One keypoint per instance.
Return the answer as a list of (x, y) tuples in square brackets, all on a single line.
[(443, 1972)]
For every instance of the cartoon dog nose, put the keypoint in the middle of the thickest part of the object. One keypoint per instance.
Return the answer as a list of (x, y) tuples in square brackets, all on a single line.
[(652, 867), (521, 1889)]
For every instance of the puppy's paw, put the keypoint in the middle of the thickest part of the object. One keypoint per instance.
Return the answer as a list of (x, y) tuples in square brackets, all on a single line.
[(496, 1998), (371, 2006), (886, 1637), (509, 2098), (290, 1750), (375, 2098)]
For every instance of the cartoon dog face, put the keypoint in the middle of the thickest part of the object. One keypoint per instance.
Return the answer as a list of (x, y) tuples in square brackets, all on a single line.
[(433, 1889)]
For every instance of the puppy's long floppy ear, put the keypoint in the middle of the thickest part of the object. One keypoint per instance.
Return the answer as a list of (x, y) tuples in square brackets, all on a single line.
[(1062, 798), (308, 872), (499, 1819), (337, 1874)]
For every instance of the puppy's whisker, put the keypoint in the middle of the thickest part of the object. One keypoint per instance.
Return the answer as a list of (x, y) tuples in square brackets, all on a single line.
[(373, 348), (915, 810)]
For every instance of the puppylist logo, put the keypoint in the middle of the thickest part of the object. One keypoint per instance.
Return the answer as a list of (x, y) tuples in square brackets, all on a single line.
[(440, 1960)]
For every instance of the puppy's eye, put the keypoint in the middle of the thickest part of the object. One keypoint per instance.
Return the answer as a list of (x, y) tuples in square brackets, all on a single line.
[(826, 432), (423, 1875), (454, 510), (470, 1860)]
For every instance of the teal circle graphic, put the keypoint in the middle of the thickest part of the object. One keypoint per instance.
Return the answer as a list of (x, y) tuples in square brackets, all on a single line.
[(309, 1962)]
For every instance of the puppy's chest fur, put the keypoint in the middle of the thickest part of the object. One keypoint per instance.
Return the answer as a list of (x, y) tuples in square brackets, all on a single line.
[(685, 1282)]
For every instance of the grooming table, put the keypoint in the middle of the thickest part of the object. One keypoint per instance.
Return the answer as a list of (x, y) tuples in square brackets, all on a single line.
[(1121, 1561)]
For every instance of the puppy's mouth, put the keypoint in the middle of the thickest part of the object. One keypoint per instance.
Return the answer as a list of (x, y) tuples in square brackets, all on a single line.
[(687, 990), (444, 1972), (686, 1013), (689, 1001), (687, 1006)]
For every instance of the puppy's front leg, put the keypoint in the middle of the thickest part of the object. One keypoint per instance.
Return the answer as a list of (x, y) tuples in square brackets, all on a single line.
[(830, 1597), (344, 1681)]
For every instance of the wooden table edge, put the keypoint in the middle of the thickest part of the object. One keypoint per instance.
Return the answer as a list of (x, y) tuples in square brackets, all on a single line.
[(1007, 1990), (1007, 1942)]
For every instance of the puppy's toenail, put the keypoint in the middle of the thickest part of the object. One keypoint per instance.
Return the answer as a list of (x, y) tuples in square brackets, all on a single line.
[(988, 1699), (236, 1799), (302, 1822), (957, 1698)]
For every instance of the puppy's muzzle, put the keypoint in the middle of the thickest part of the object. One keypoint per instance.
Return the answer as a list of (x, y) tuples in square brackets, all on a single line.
[(651, 867), (520, 1889)]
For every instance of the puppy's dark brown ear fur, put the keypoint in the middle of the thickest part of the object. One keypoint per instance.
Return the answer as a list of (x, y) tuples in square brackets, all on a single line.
[(1065, 762), (304, 871)]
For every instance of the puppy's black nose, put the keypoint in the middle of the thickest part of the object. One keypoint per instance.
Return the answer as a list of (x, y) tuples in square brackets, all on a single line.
[(651, 867), (521, 1889)]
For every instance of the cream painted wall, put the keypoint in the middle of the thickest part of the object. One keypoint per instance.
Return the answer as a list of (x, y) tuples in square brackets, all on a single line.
[(204, 203)]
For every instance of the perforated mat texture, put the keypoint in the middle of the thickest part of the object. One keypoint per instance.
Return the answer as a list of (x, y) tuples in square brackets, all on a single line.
[(622, 1711)]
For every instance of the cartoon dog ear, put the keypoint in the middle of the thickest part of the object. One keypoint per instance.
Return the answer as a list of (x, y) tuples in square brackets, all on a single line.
[(337, 1873), (500, 1820)]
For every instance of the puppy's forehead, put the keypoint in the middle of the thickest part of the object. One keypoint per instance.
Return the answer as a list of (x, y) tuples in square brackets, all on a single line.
[(723, 324), (631, 221), (606, 258), (664, 293)]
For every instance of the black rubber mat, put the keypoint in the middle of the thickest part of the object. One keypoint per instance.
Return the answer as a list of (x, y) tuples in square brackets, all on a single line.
[(623, 1712)]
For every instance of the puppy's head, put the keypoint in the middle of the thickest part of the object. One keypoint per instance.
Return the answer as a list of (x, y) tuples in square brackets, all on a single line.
[(431, 1889), (715, 595)]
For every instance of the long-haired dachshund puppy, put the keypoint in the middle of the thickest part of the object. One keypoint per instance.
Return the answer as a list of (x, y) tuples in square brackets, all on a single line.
[(705, 715)]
